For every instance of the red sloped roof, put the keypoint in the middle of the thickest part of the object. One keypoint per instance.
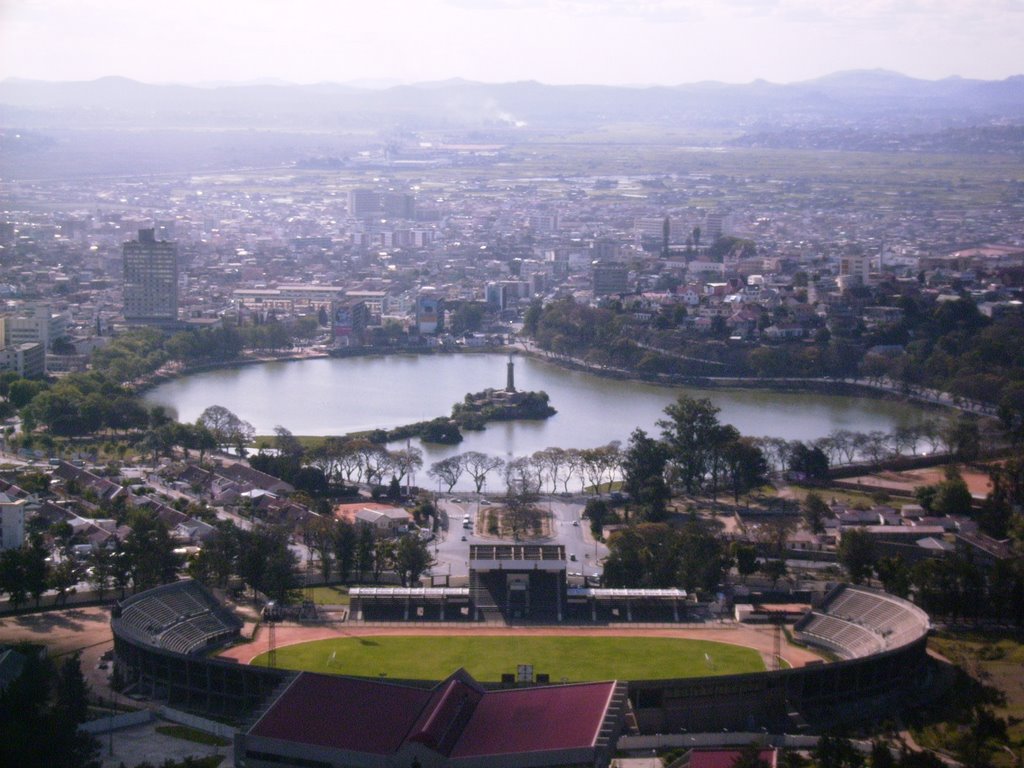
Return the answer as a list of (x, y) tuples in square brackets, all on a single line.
[(535, 720), (342, 713)]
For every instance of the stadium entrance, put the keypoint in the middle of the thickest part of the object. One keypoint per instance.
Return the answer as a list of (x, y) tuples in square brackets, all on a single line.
[(517, 582)]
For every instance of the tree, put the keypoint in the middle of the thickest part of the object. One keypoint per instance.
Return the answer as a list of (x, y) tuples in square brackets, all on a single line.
[(520, 513), (383, 557), (72, 690), (479, 465), (364, 551), (774, 569), (448, 471), (41, 710), (321, 536), (894, 575), (217, 560), (287, 445), (551, 462), (815, 511), (643, 470), (412, 558), (746, 466), (344, 548), (406, 461), (596, 512), (808, 461), (226, 428), (36, 570), (62, 579), (689, 433), (745, 556), (12, 576), (267, 564), (149, 550), (952, 496), (857, 554)]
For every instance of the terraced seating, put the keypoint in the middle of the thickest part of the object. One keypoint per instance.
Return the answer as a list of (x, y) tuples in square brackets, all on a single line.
[(856, 622), (178, 617)]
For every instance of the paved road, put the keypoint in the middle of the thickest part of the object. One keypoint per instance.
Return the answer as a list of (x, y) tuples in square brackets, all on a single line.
[(452, 545)]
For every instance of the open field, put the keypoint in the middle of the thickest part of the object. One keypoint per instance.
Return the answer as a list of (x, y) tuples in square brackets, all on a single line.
[(329, 595), (486, 658), (906, 481), (995, 664)]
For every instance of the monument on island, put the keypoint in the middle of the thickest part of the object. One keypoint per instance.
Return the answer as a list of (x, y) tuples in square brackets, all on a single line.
[(506, 404)]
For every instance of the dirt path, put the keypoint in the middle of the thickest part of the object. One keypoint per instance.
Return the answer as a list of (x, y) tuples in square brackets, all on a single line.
[(82, 630)]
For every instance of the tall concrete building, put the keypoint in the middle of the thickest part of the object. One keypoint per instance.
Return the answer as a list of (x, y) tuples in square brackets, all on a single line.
[(33, 324), (150, 280), (610, 279)]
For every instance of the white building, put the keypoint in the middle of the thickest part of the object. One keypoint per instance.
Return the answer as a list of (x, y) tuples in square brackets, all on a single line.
[(12, 522), (34, 324)]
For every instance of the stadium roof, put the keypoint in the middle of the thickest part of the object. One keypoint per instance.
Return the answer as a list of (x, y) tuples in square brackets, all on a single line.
[(456, 718)]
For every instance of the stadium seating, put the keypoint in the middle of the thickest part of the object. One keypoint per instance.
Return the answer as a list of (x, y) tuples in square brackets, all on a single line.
[(855, 622), (181, 617)]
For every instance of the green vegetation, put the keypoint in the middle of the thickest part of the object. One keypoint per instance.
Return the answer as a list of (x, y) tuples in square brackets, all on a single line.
[(191, 734), (329, 595), (984, 709), (487, 658)]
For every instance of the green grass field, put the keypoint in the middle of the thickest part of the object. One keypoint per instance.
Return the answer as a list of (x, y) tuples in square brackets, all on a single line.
[(486, 658)]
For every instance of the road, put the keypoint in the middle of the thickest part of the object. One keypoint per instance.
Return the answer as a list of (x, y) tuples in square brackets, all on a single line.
[(451, 546)]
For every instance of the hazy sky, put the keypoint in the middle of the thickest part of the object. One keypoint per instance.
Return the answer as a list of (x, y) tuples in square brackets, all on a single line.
[(554, 41)]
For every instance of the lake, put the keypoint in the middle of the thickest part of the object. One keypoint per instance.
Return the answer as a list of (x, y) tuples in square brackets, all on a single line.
[(339, 395)]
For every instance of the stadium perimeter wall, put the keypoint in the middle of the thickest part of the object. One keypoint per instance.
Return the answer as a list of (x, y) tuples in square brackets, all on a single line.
[(822, 695)]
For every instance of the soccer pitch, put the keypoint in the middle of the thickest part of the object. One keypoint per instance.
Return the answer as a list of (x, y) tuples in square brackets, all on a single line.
[(573, 658)]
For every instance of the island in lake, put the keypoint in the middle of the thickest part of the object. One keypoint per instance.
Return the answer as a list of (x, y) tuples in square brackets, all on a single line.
[(475, 411)]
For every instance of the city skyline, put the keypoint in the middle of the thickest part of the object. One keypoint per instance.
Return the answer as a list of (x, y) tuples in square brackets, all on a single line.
[(660, 42)]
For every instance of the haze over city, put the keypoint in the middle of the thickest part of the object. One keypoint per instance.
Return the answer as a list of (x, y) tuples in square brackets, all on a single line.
[(499, 383), (616, 42)]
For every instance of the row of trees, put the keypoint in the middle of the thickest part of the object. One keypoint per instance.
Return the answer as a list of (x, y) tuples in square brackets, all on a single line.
[(348, 552), (551, 468), (656, 555), (145, 559)]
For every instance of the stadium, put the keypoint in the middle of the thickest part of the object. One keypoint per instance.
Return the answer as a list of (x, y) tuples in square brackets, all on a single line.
[(178, 644)]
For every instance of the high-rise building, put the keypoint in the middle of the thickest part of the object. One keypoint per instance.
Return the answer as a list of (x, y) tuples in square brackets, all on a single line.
[(363, 203), (150, 280), (610, 279)]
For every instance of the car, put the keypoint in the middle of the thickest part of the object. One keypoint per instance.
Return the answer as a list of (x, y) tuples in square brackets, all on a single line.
[(464, 537), (572, 557), (576, 523)]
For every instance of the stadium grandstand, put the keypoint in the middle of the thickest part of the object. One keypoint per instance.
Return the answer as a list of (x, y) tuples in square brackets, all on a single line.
[(855, 622), (161, 639), (322, 721), (181, 617), (511, 583)]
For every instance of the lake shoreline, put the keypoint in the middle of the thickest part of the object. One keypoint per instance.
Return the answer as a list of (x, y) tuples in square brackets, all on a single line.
[(826, 386)]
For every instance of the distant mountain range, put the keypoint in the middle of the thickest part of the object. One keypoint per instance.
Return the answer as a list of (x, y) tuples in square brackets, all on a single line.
[(855, 100)]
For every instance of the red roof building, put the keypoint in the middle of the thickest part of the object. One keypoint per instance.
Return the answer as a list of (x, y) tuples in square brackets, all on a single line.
[(321, 721)]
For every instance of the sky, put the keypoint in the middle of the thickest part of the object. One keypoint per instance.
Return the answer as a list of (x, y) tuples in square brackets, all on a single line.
[(614, 42)]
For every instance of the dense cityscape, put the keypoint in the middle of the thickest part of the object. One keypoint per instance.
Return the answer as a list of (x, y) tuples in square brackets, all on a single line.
[(728, 470)]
